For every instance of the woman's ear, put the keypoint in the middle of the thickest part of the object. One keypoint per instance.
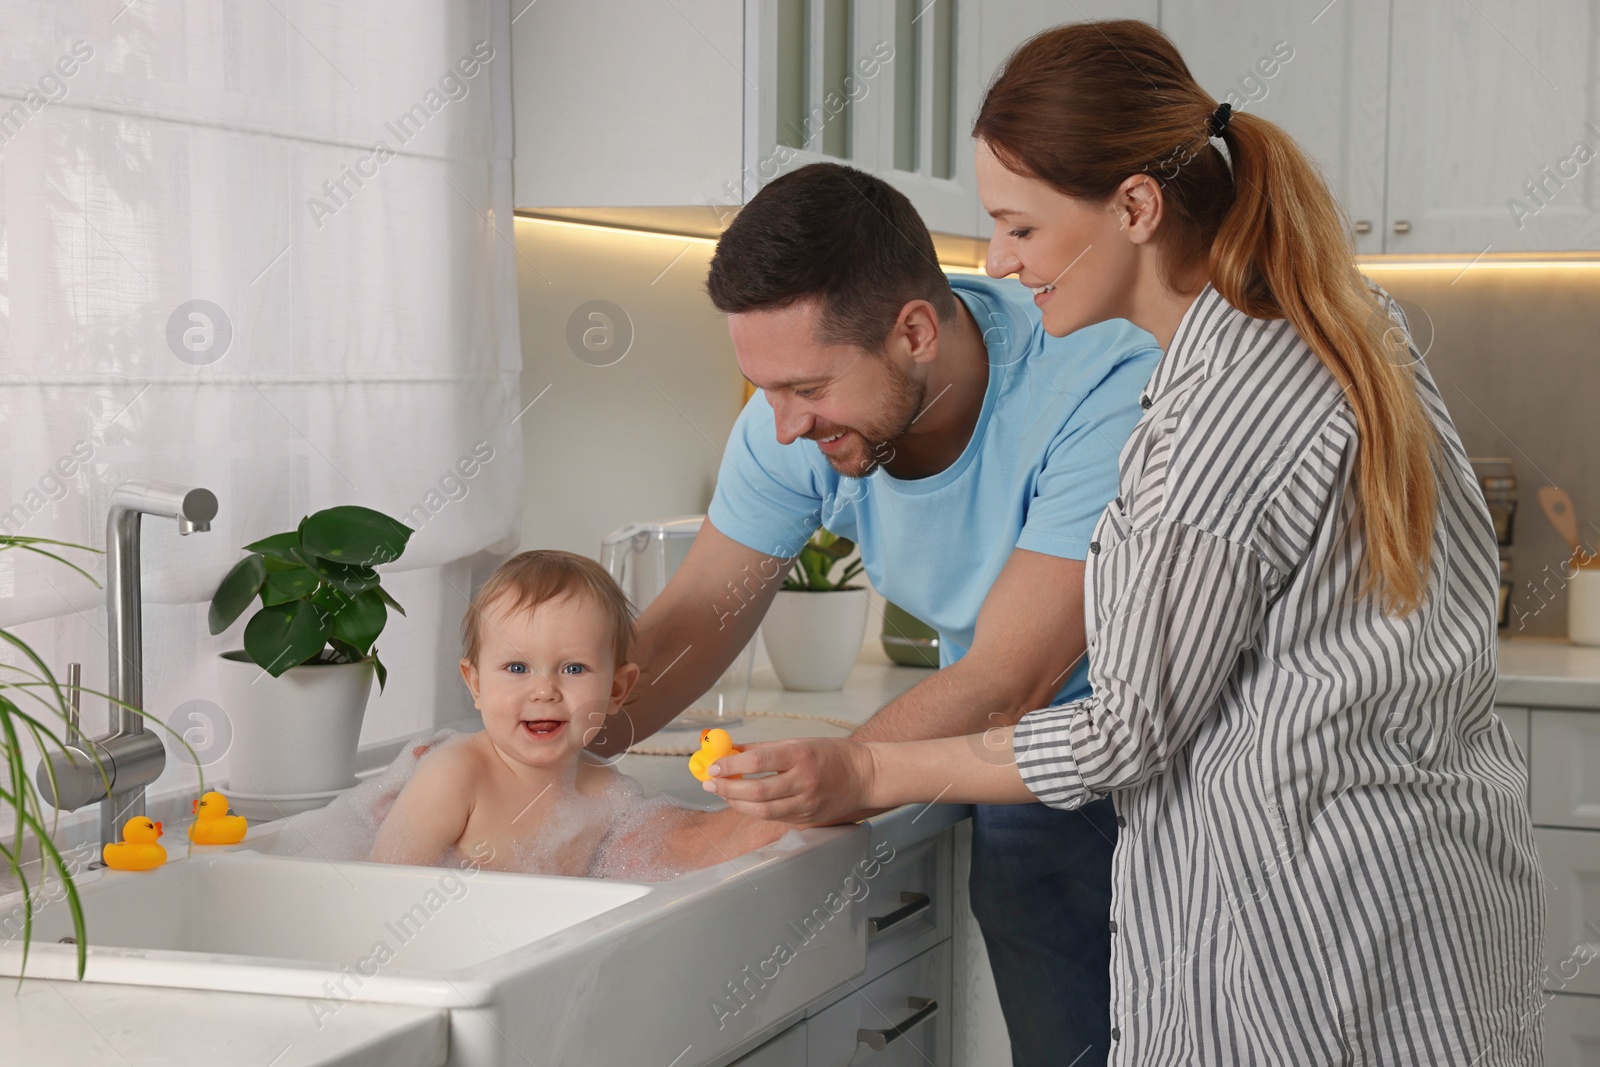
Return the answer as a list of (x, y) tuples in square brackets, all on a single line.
[(1139, 203), (469, 674), (623, 679)]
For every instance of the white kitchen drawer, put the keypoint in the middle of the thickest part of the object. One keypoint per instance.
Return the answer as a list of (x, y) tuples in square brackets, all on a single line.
[(908, 909), (907, 906), (1572, 1032), (900, 1020), (1565, 768), (788, 1049), (1571, 862)]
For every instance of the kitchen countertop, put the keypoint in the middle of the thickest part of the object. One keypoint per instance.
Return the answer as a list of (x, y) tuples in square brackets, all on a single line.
[(73, 1024), (1548, 672)]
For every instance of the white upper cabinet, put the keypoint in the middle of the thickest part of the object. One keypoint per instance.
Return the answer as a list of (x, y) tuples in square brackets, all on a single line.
[(1494, 126), (692, 106), (888, 86), (1441, 126), (618, 103), (1317, 69), (898, 95)]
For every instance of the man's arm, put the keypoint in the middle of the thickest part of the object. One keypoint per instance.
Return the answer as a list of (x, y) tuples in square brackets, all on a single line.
[(691, 631), (1028, 637)]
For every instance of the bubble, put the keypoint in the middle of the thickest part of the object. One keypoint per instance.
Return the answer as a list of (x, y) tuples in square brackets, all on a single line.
[(614, 832)]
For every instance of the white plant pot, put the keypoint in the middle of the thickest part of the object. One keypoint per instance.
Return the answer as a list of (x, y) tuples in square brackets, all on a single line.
[(294, 736), (813, 639)]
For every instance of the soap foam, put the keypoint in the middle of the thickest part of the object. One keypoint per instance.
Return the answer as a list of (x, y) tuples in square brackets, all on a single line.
[(616, 833)]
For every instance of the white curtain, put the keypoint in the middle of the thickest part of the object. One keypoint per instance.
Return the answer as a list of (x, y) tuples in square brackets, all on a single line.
[(264, 247)]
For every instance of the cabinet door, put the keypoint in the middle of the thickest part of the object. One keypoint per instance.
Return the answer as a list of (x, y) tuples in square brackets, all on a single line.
[(1571, 863), (1494, 125), (927, 106), (1572, 1032), (1564, 769), (902, 1018), (788, 1049), (883, 85), (1317, 69), (818, 71), (621, 104)]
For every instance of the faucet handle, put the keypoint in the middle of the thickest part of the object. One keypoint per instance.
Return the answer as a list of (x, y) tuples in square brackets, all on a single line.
[(74, 700)]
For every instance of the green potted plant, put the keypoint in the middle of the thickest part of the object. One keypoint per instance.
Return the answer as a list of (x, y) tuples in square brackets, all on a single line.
[(34, 702), (814, 628), (296, 693)]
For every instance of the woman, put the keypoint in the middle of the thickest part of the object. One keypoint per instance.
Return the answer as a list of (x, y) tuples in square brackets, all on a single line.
[(1326, 854)]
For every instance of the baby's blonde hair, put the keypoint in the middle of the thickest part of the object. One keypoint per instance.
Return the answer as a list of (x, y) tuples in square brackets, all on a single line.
[(529, 579)]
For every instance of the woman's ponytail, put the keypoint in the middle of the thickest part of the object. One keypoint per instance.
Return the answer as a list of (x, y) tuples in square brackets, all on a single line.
[(1282, 252)]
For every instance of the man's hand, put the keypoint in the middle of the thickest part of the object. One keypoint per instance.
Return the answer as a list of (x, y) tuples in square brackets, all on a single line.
[(691, 631), (815, 781)]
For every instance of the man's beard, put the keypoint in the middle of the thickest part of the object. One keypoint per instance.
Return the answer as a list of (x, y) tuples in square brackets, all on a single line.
[(873, 445)]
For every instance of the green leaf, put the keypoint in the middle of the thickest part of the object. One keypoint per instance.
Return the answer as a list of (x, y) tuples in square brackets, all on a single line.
[(341, 577), (331, 600), (293, 583), (354, 536), (279, 547), (389, 600), (236, 592), (285, 635), (361, 621), (383, 672)]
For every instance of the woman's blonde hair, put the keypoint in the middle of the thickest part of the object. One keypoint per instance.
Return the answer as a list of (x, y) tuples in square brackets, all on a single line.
[(1083, 107)]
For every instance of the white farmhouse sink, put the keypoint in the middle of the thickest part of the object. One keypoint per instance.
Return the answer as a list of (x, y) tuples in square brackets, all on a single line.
[(534, 970), (393, 919)]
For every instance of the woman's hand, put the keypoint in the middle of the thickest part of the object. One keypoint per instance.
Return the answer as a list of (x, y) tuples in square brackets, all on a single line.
[(814, 781)]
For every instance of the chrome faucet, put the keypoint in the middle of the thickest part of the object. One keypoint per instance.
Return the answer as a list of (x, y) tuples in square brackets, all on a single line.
[(129, 757)]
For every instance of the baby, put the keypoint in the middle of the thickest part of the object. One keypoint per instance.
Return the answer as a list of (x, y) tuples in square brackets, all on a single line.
[(546, 661)]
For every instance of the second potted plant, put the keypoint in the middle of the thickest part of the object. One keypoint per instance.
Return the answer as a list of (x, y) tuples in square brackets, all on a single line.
[(296, 693), (814, 628)]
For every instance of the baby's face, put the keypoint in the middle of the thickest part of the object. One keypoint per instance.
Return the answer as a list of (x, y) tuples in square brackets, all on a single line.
[(545, 680)]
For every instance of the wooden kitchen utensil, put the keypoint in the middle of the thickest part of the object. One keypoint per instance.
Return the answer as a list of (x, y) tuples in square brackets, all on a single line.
[(1559, 510)]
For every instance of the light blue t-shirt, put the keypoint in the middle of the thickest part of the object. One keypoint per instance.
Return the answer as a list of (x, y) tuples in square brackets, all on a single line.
[(1040, 468)]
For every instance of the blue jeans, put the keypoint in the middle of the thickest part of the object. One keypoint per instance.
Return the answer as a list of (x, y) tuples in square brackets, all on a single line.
[(1041, 891)]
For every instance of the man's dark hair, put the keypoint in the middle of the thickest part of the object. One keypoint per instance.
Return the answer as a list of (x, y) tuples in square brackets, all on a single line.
[(838, 235)]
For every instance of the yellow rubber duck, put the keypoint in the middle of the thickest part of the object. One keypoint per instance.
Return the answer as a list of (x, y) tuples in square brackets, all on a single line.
[(213, 825), (137, 851), (714, 744)]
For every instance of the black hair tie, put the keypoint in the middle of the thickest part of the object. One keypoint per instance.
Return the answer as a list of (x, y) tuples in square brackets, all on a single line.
[(1218, 121)]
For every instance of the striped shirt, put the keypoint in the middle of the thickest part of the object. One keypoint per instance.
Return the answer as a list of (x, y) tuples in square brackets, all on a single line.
[(1326, 854)]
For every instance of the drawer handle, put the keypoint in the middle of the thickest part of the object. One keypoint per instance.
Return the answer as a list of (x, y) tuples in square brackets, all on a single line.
[(878, 1040), (913, 903)]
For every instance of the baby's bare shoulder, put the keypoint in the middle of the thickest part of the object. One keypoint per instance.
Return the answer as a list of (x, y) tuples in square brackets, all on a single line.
[(451, 767)]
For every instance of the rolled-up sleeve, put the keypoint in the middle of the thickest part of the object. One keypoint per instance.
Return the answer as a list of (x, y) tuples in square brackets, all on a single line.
[(1179, 606)]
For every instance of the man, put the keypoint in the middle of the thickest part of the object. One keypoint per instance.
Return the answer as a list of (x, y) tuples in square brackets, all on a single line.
[(932, 421)]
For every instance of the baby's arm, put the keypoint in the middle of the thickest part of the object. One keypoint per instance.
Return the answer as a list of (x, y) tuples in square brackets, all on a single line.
[(707, 838), (431, 812)]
